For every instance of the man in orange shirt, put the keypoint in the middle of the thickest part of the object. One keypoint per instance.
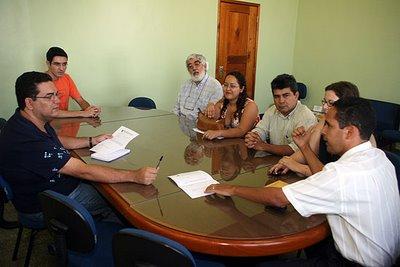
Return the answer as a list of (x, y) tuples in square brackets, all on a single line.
[(57, 60)]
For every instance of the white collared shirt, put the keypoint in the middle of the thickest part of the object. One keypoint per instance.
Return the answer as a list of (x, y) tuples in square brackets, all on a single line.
[(360, 197), (278, 128), (193, 97)]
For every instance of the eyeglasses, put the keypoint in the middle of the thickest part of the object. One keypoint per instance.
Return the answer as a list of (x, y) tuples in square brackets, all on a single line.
[(196, 64), (230, 85), (49, 96), (329, 103)]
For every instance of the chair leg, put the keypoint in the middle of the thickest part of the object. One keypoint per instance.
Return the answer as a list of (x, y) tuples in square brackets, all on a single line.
[(30, 247), (17, 242), (4, 223)]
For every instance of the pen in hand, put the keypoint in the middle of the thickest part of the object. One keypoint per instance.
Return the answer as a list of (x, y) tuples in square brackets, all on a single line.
[(159, 161)]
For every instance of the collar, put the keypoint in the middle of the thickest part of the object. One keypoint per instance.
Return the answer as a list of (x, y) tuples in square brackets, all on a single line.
[(291, 113), (358, 148), (202, 82)]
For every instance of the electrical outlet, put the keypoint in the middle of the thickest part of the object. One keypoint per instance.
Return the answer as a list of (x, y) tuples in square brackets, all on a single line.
[(317, 109)]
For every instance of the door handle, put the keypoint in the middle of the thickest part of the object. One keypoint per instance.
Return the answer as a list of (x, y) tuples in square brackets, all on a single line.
[(221, 72)]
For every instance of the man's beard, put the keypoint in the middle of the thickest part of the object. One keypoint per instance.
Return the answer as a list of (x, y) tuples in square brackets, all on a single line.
[(198, 77)]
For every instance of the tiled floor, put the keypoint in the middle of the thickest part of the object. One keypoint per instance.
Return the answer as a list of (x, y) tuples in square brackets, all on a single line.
[(40, 256)]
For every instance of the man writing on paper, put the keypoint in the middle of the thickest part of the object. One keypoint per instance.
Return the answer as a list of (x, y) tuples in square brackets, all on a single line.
[(273, 133), (57, 61), (33, 158), (358, 193)]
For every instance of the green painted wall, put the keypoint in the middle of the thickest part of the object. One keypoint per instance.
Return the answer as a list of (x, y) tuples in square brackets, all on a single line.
[(357, 40), (126, 48)]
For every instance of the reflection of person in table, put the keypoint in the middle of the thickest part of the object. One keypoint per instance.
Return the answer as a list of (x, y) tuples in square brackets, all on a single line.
[(238, 112), (34, 159), (358, 192), (70, 126), (232, 157), (194, 152)]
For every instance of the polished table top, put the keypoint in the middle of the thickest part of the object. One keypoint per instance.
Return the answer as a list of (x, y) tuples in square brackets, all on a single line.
[(213, 224)]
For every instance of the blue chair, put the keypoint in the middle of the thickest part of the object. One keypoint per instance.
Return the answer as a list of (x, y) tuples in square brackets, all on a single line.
[(388, 118), (5, 196), (395, 159), (2, 123), (132, 247), (22, 223), (302, 88), (142, 103), (78, 239)]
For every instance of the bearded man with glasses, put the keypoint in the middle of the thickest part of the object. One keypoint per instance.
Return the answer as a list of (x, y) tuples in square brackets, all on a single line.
[(199, 90)]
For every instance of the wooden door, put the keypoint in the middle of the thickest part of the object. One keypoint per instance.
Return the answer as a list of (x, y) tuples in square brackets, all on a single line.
[(237, 41)]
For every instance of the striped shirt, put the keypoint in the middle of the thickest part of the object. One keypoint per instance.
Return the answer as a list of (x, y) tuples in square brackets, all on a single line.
[(278, 128), (193, 97), (360, 197)]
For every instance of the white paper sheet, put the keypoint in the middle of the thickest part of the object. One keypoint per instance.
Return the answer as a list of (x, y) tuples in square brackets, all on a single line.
[(194, 183), (120, 140)]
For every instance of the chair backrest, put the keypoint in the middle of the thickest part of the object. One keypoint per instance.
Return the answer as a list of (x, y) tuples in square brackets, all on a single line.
[(133, 246), (395, 159), (142, 103), (5, 187), (387, 115), (302, 88), (59, 209), (2, 123)]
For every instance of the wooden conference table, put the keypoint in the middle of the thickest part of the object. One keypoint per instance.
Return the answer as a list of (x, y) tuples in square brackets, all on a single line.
[(213, 225)]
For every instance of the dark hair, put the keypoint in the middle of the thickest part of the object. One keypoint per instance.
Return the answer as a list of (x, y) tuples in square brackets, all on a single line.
[(358, 112), (242, 95), (343, 89), (26, 86), (284, 81), (54, 52)]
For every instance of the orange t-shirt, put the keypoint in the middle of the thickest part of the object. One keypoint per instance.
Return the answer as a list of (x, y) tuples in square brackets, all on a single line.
[(66, 88)]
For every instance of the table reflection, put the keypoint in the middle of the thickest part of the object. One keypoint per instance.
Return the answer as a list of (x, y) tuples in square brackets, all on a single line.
[(70, 126)]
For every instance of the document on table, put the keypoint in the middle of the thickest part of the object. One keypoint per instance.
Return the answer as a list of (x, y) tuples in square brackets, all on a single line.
[(114, 148), (194, 183), (278, 183)]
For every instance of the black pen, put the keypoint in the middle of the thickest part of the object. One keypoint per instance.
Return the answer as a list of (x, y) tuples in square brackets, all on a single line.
[(159, 161)]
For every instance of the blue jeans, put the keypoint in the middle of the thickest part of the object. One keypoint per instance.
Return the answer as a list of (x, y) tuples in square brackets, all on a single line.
[(87, 196)]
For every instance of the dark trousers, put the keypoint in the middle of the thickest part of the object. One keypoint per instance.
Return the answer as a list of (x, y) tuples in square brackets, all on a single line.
[(322, 254)]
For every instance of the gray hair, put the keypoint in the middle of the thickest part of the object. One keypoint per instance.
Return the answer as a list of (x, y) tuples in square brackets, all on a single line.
[(198, 57)]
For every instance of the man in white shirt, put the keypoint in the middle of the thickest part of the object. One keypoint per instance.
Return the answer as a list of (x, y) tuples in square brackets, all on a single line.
[(199, 90), (358, 193), (273, 133)]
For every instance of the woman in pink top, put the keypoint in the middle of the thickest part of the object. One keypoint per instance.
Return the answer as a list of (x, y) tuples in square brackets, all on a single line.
[(238, 112)]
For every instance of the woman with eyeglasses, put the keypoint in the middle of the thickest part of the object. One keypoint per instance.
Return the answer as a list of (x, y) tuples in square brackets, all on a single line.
[(238, 112), (297, 162)]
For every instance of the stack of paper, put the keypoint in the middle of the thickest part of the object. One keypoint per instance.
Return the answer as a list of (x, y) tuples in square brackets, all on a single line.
[(114, 148), (194, 183)]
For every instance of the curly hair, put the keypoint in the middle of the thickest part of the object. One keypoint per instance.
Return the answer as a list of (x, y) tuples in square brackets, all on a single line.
[(242, 95)]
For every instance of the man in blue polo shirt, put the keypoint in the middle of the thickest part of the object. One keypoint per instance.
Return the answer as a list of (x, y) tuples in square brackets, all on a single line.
[(33, 158)]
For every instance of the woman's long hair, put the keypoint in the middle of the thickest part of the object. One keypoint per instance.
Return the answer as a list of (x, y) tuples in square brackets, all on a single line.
[(242, 95)]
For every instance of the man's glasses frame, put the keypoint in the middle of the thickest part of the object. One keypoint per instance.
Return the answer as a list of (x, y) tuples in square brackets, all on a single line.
[(49, 96)]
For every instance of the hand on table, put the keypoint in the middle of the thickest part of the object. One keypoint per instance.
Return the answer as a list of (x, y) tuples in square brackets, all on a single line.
[(252, 140), (221, 189), (100, 138), (211, 134)]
